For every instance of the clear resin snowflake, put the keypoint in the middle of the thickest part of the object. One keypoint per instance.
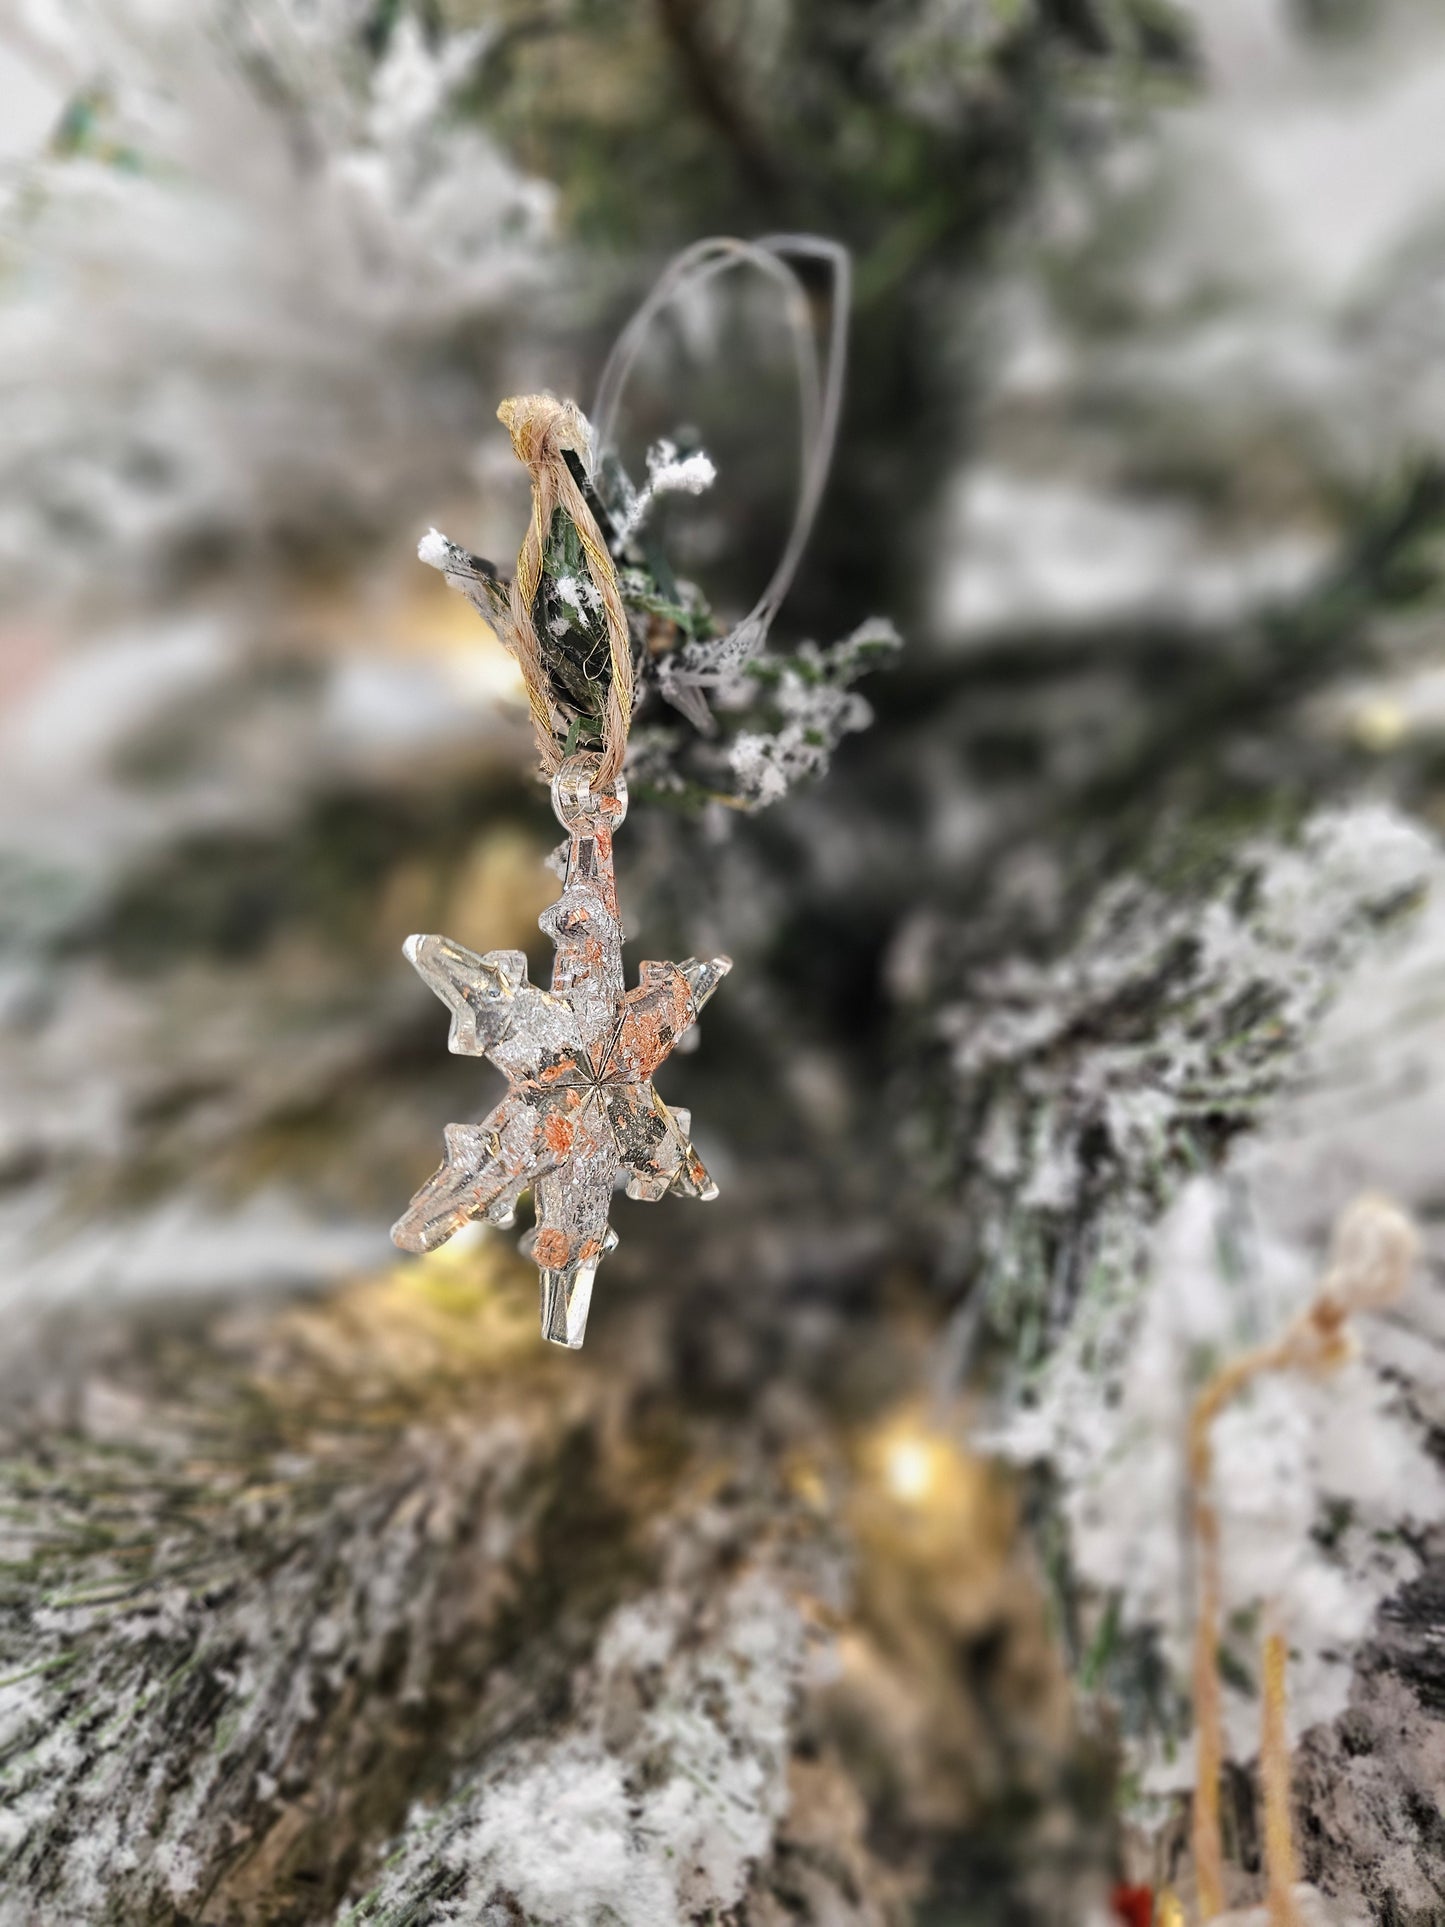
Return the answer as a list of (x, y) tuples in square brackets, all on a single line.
[(580, 1111)]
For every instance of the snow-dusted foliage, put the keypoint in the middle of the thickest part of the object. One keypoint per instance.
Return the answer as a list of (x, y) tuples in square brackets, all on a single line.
[(1086, 1127), (1209, 354), (1081, 1120), (261, 273), (254, 263), (816, 707), (308, 1562), (668, 473), (666, 1787), (1322, 1481), (1255, 269), (137, 1634)]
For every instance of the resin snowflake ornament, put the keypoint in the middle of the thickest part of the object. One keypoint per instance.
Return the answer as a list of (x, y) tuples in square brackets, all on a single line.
[(580, 1111)]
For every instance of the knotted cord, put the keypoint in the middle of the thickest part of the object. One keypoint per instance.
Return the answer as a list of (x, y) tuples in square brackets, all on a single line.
[(541, 428)]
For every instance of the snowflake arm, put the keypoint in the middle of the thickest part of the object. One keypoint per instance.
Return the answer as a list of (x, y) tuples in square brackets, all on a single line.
[(487, 1165), (530, 1035), (657, 1013), (654, 1146)]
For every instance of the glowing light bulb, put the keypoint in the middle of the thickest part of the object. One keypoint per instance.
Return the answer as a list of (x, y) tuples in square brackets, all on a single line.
[(1381, 724), (908, 1468)]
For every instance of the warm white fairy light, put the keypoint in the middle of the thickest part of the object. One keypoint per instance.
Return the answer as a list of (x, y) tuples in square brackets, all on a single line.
[(909, 1469)]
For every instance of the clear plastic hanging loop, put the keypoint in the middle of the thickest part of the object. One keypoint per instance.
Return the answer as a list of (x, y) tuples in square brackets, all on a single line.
[(820, 392), (581, 796)]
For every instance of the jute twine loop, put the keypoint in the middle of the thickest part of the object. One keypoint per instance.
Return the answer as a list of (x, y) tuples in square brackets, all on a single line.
[(541, 427)]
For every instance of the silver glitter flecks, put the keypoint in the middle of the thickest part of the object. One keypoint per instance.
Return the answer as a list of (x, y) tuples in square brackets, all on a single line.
[(578, 1058)]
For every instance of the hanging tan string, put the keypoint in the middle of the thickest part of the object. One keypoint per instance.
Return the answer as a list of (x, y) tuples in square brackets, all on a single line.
[(541, 427), (1281, 1866), (1373, 1250), (1208, 1720)]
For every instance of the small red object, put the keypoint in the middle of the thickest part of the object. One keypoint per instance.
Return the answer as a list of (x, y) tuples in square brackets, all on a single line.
[(1134, 1906)]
